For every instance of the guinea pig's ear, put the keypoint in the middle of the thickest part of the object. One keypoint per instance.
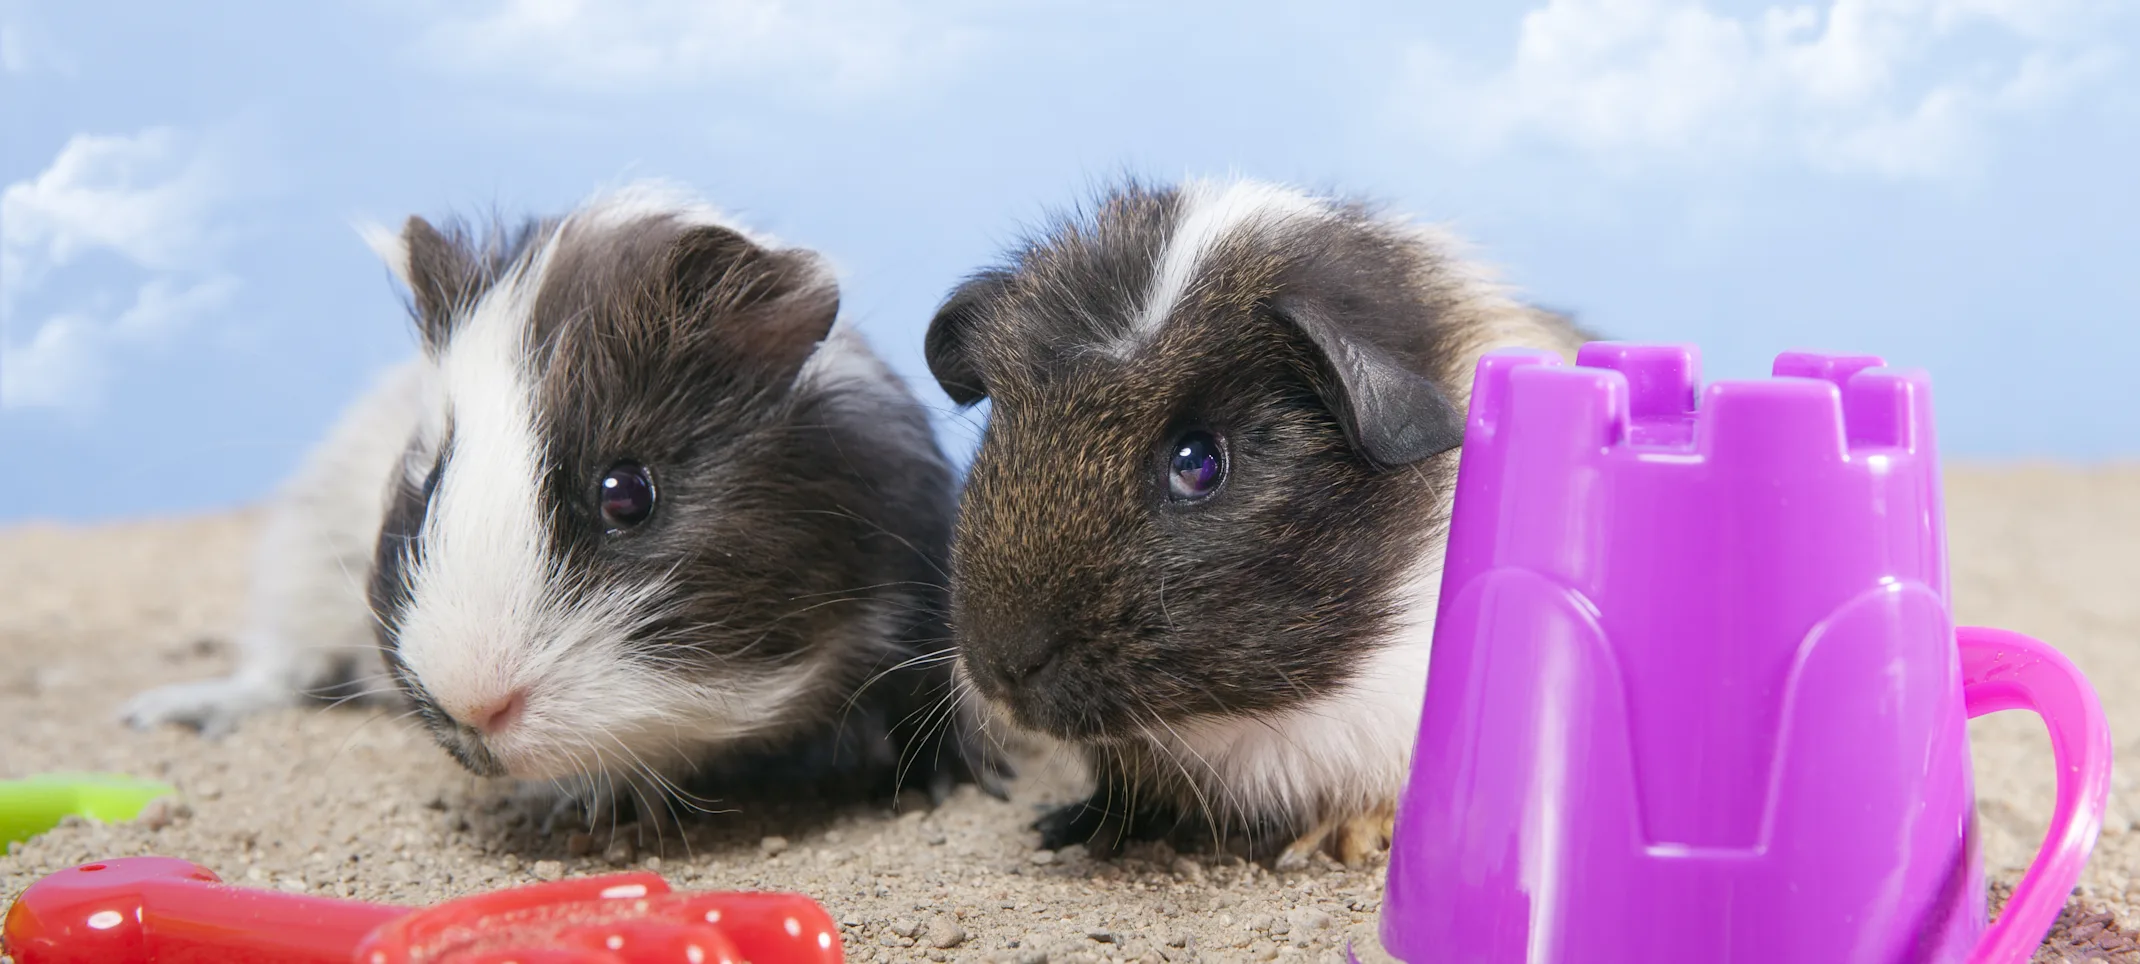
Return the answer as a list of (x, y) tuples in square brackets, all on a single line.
[(773, 306), (946, 346), (388, 246), (1391, 414), (442, 274)]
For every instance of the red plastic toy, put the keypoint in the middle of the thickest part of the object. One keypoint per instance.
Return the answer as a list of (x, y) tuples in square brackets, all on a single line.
[(138, 910)]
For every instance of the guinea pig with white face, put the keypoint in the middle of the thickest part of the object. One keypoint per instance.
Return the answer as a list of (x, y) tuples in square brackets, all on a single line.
[(1201, 539), (660, 520)]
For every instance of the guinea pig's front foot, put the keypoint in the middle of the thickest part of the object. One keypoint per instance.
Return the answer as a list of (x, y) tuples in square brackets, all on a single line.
[(213, 707), (564, 812), (578, 806), (1101, 828), (1078, 823), (1353, 840)]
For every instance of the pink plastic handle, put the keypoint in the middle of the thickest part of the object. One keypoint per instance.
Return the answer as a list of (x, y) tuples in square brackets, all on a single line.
[(2008, 671)]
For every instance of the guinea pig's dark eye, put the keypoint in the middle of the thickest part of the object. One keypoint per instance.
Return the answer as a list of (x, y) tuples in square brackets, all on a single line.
[(1195, 466), (627, 495)]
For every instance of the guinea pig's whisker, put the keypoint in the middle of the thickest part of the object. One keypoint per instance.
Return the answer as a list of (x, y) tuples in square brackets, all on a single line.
[(676, 820), (934, 717), (961, 697), (1201, 689), (668, 785), (845, 513), (965, 720), (1128, 790), (1195, 786), (854, 698), (296, 647), (970, 696), (887, 607), (870, 588), (1203, 801), (1180, 745), (925, 732), (962, 416), (813, 607), (628, 789), (925, 659), (583, 782), (605, 791), (645, 808), (677, 749), (350, 739), (384, 685)]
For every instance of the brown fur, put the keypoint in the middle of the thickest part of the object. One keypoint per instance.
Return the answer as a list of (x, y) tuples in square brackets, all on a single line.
[(1088, 606)]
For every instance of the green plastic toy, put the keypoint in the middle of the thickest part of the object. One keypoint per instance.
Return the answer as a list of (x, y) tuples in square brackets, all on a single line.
[(33, 806)]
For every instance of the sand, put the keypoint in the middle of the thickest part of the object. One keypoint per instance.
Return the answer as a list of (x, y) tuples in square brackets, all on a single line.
[(352, 804)]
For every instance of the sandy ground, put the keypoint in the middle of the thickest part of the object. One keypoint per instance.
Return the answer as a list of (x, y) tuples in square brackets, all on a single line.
[(346, 803)]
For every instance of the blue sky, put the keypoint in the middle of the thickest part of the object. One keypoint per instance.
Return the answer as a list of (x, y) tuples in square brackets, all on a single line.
[(1948, 183)]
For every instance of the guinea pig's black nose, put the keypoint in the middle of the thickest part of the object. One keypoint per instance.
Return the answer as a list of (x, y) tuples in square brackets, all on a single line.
[(1020, 656)]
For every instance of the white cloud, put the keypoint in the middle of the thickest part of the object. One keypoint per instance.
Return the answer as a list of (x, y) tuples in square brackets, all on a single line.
[(66, 361), (54, 367), (1897, 88), (148, 200), (817, 46), (163, 305)]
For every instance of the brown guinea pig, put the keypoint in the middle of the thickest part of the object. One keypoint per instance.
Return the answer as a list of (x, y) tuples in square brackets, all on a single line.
[(1201, 539)]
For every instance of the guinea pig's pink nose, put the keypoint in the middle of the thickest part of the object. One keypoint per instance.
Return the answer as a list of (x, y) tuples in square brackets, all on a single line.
[(495, 717)]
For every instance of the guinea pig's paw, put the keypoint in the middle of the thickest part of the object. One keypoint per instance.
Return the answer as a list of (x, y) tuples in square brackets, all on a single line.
[(1304, 848), (978, 764), (994, 779), (1361, 838), (611, 801), (1087, 822), (212, 707), (1353, 840), (1067, 825), (1103, 830), (574, 808)]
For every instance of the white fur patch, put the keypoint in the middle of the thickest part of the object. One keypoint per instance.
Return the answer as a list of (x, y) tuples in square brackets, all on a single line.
[(1343, 754), (844, 358), (484, 574), (655, 199), (1210, 213)]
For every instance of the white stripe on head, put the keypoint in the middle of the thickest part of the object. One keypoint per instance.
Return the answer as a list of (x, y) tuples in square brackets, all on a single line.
[(654, 198), (485, 567), (845, 359), (490, 613), (657, 199), (1208, 215)]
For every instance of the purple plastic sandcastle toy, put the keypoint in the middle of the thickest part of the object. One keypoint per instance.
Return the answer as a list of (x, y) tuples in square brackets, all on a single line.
[(1696, 694)]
